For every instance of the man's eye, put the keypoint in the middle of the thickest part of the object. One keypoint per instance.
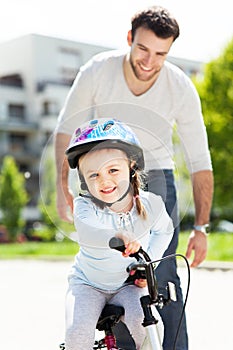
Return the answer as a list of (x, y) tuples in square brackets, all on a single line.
[(161, 54), (142, 48)]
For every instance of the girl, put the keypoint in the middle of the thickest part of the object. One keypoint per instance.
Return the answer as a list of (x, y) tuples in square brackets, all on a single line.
[(109, 160)]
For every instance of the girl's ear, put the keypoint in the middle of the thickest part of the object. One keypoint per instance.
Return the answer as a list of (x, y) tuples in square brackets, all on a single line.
[(83, 186), (133, 164), (132, 173), (133, 168)]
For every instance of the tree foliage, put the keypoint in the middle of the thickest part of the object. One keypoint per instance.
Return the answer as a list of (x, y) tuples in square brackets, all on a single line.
[(13, 197), (216, 92)]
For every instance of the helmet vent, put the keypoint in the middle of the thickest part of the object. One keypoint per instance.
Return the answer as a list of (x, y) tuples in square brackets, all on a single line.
[(108, 125)]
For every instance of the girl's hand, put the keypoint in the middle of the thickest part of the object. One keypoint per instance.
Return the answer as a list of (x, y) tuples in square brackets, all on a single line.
[(139, 282), (131, 248)]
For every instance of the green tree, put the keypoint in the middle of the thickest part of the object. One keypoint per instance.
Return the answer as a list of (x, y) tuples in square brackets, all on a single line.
[(13, 197), (216, 92)]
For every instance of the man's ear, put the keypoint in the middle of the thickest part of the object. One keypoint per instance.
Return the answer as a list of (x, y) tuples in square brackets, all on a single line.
[(129, 37)]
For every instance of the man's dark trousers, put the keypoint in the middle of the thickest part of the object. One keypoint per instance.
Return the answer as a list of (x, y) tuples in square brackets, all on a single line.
[(162, 182)]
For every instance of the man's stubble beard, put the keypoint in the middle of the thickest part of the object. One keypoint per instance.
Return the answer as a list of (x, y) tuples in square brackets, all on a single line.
[(134, 68)]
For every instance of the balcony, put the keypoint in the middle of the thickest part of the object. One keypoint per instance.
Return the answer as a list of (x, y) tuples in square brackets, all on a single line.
[(18, 125), (21, 153)]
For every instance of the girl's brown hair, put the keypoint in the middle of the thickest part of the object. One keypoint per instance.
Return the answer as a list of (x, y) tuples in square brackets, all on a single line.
[(136, 183)]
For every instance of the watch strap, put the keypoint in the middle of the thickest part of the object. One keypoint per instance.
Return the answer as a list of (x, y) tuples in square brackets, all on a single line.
[(202, 228)]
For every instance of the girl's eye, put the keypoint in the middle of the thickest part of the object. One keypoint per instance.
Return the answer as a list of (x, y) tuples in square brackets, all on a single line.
[(93, 176), (113, 170)]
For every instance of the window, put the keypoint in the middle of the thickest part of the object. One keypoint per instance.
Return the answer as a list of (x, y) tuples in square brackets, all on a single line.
[(16, 111), (17, 142), (12, 80), (69, 61), (49, 108), (16, 138)]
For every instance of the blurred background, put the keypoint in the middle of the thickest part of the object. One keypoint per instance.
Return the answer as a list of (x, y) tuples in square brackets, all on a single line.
[(42, 47)]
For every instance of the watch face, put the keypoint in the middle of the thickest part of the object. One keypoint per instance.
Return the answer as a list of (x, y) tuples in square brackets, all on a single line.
[(202, 228)]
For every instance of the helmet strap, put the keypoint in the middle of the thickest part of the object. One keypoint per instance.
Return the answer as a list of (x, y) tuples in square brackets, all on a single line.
[(102, 203)]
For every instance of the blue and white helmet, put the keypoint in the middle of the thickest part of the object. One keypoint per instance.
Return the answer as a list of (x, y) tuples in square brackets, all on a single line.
[(104, 133)]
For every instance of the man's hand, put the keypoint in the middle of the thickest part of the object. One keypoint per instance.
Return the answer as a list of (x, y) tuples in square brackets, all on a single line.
[(64, 196), (202, 182), (65, 205), (198, 243)]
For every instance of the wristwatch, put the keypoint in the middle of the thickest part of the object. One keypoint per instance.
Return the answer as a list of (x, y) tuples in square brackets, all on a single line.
[(202, 228)]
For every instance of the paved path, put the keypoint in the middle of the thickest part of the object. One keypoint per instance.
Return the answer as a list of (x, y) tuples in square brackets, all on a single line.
[(32, 306)]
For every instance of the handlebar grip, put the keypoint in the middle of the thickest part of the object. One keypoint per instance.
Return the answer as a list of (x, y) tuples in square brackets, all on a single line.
[(117, 243)]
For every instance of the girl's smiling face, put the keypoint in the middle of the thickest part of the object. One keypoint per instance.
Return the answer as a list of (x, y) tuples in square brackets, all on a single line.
[(106, 173)]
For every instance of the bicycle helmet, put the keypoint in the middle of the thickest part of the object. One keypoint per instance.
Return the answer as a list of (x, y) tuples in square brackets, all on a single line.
[(104, 133)]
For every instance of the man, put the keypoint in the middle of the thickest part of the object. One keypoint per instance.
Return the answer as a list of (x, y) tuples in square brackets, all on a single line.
[(152, 95)]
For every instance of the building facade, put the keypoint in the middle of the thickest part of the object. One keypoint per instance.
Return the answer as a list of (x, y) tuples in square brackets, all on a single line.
[(36, 73)]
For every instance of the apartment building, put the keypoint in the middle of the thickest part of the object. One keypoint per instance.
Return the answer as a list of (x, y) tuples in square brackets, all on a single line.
[(36, 73)]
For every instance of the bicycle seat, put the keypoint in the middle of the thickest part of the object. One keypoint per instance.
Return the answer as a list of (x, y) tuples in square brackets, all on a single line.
[(110, 315)]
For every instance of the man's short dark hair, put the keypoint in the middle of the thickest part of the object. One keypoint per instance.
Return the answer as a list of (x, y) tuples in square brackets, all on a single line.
[(157, 19)]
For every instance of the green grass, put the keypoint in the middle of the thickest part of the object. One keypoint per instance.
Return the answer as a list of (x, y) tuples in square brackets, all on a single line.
[(39, 250), (220, 248)]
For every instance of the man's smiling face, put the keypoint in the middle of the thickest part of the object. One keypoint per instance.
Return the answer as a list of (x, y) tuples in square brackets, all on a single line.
[(148, 53)]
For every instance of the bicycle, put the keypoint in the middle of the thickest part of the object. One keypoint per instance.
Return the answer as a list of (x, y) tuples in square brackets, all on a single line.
[(111, 314)]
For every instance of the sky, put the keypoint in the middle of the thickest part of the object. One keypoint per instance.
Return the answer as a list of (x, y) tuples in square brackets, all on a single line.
[(206, 26)]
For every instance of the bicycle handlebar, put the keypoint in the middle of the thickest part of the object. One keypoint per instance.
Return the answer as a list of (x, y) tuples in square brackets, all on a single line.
[(118, 244), (144, 261)]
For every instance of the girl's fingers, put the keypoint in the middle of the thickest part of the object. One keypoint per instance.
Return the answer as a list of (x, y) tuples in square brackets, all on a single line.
[(132, 248), (141, 283)]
